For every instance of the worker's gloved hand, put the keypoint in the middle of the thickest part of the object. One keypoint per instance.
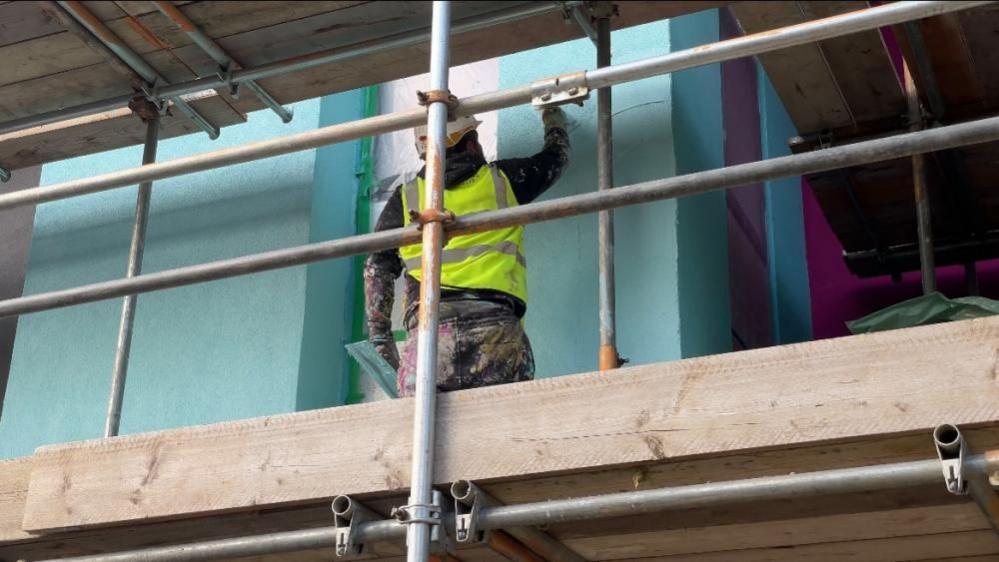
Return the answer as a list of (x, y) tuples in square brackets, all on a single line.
[(385, 346), (554, 117)]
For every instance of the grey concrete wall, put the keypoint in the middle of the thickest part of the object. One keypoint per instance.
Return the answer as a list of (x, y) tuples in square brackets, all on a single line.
[(15, 241)]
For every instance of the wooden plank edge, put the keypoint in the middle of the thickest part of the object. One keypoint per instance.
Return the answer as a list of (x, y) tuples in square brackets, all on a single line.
[(811, 393)]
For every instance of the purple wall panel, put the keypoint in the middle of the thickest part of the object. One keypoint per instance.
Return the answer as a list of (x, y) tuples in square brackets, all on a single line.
[(749, 272)]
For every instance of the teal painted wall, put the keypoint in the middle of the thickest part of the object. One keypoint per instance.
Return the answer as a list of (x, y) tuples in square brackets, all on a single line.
[(562, 255), (273, 342), (324, 367), (224, 350), (702, 232), (790, 297)]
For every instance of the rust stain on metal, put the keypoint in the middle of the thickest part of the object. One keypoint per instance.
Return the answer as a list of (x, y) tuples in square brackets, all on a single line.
[(146, 33), (96, 25), (433, 234), (176, 16), (608, 359)]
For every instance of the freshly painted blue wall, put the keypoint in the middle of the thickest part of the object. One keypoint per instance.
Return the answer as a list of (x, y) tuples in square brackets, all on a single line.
[(789, 292), (562, 255), (702, 232), (224, 350), (324, 366)]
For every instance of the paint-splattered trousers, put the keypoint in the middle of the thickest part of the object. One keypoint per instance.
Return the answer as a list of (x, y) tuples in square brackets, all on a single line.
[(480, 343)]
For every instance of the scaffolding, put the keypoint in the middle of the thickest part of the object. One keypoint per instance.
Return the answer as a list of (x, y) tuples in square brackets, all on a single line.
[(431, 522)]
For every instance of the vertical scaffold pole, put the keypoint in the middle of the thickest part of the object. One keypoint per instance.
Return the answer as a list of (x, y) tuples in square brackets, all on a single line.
[(124, 344), (608, 357), (420, 495), (924, 226)]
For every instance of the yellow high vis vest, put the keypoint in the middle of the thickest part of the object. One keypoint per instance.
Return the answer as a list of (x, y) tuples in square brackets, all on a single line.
[(487, 260)]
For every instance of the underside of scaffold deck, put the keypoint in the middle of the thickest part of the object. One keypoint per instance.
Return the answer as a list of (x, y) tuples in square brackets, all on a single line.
[(49, 68), (855, 401), (846, 89)]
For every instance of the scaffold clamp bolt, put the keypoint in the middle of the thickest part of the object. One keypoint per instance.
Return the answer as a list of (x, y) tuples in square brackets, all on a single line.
[(144, 108), (433, 514), (427, 216), (152, 93), (225, 74), (440, 96), (417, 513)]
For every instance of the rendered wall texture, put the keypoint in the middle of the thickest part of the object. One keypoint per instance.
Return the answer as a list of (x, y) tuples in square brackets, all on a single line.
[(562, 255), (204, 353)]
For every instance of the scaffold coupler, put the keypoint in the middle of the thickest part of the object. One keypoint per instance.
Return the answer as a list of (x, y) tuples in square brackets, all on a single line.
[(437, 515)]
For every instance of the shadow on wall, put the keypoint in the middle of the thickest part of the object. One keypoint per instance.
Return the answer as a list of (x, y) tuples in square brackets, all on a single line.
[(15, 231)]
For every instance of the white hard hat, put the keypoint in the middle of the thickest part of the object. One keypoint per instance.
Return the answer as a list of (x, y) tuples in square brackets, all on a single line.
[(455, 130)]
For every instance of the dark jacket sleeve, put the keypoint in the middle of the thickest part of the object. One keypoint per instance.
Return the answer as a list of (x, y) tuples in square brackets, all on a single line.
[(532, 176), (381, 269)]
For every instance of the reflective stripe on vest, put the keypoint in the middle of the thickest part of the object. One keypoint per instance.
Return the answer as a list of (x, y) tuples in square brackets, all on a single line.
[(455, 255), (486, 260)]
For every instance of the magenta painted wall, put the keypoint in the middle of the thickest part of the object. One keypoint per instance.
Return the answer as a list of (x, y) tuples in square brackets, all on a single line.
[(748, 262), (838, 296)]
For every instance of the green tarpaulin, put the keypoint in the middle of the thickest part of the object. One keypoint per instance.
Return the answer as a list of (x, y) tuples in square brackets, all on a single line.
[(927, 309)]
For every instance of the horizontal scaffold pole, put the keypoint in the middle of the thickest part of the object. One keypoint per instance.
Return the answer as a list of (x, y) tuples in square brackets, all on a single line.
[(887, 148), (816, 30)]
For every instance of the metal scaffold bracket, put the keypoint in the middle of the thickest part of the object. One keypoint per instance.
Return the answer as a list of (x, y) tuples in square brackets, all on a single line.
[(151, 92), (951, 449), (560, 90), (225, 74), (584, 13), (470, 500), (467, 503), (348, 516), (966, 474), (437, 515)]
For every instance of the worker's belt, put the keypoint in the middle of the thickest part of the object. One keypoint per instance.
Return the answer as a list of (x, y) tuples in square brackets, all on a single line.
[(470, 305)]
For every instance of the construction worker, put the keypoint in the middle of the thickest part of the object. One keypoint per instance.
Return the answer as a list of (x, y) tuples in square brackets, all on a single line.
[(483, 276)]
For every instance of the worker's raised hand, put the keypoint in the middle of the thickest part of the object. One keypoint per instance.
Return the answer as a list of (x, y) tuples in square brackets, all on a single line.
[(554, 117)]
